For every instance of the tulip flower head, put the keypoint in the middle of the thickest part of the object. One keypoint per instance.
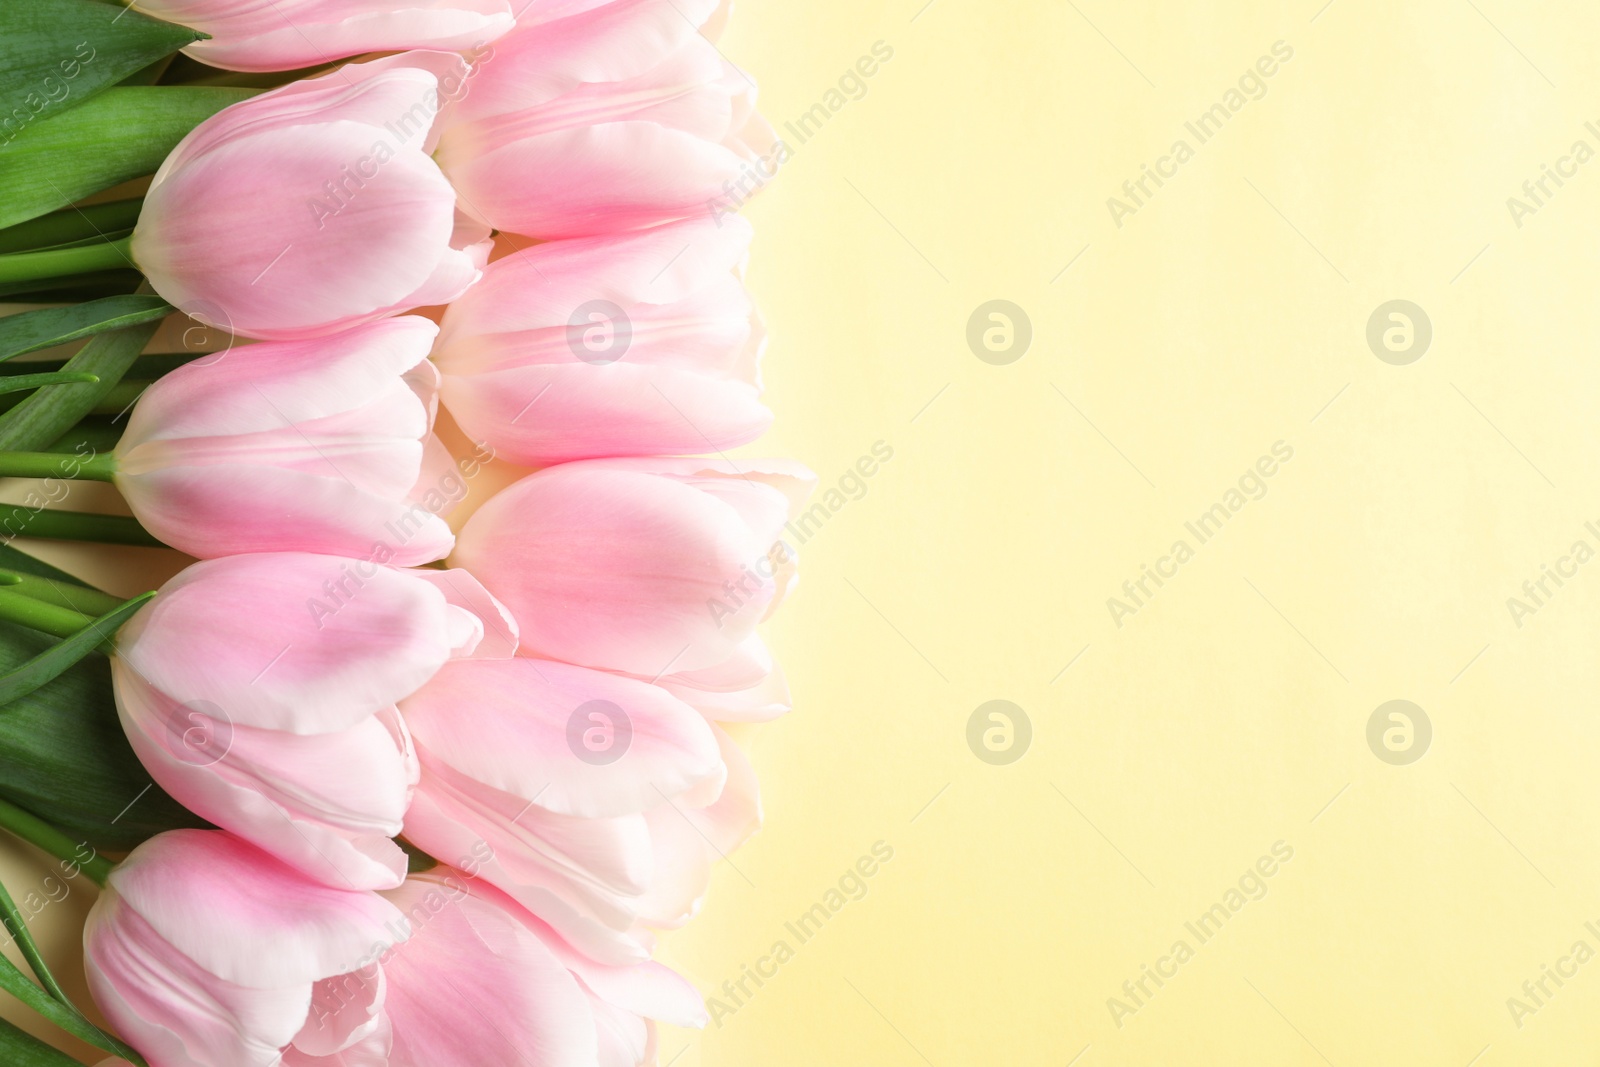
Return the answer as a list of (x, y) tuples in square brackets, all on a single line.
[(312, 446), (638, 344), (203, 950), (617, 118), (563, 778), (260, 692), (314, 207), (639, 565)]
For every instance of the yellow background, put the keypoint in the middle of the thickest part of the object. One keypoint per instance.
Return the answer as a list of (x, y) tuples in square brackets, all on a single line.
[(1224, 717), (1227, 314)]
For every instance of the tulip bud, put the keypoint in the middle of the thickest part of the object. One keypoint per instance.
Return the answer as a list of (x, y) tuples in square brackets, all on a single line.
[(313, 207), (549, 773), (643, 566), (203, 950), (311, 446), (259, 691), (290, 34), (641, 344), (614, 119)]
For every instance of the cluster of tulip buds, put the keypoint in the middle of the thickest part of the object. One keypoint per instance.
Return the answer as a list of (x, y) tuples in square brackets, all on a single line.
[(405, 330)]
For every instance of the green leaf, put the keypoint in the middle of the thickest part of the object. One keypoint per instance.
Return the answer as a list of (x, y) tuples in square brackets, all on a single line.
[(56, 54), (21, 383), (63, 755), (17, 924), (50, 412), (121, 134), (51, 663), (33, 330), (21, 1049), (72, 224), (62, 1015)]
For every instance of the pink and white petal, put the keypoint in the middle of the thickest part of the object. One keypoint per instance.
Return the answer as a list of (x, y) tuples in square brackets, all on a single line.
[(593, 411), (172, 1009), (591, 179), (327, 805), (211, 511), (521, 726), (689, 842), (627, 566), (385, 244), (346, 1013), (473, 988), (281, 383), (218, 899), (498, 630), (749, 686), (292, 641), (552, 879)]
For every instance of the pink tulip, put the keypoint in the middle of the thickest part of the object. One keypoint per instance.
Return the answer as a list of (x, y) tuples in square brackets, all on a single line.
[(309, 446), (290, 34), (481, 983), (617, 118), (643, 344), (313, 207), (638, 565), (203, 950), (260, 691), (571, 787)]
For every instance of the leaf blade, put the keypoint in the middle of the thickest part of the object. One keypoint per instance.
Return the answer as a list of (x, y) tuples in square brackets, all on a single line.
[(58, 658), (56, 54), (44, 168), (48, 327)]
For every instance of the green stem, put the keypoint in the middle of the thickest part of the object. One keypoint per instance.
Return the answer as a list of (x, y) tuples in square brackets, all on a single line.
[(39, 615), (71, 224), (19, 520), (83, 599), (41, 834), (99, 468), (59, 263)]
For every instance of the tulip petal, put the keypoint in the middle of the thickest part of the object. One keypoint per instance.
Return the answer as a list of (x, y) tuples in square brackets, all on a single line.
[(474, 988), (521, 726), (292, 641), (218, 901)]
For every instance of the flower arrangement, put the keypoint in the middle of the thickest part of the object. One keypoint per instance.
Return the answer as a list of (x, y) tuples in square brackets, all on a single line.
[(372, 781)]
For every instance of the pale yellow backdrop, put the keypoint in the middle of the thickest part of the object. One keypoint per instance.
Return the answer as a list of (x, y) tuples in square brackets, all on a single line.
[(1223, 725)]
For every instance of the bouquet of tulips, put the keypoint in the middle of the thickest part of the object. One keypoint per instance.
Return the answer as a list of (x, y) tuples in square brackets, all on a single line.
[(404, 322)]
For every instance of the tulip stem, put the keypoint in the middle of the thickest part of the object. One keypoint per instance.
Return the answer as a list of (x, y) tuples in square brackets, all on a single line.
[(85, 600), (100, 468), (63, 262), (40, 615), (41, 834), (20, 520), (70, 224)]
